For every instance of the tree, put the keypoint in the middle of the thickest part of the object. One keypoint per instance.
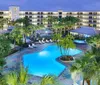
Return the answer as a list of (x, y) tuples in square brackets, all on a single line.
[(66, 23), (11, 79), (4, 50), (4, 46), (16, 36), (79, 65), (2, 80), (65, 43), (94, 41), (17, 78), (3, 21), (23, 75), (47, 80), (88, 66), (25, 21)]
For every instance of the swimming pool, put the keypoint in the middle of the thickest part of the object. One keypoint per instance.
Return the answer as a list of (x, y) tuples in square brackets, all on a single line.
[(80, 41), (44, 62)]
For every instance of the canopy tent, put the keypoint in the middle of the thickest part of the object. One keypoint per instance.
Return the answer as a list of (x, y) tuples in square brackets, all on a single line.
[(89, 31), (44, 32), (10, 28)]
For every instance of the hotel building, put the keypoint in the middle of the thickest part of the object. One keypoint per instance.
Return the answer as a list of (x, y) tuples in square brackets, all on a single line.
[(88, 18)]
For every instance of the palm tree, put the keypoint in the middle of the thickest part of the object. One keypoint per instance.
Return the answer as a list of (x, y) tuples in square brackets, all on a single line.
[(11, 79), (66, 23), (23, 21), (3, 21), (2, 80), (94, 41), (22, 76), (86, 65), (66, 43), (47, 80), (69, 22), (17, 78), (4, 46), (16, 35)]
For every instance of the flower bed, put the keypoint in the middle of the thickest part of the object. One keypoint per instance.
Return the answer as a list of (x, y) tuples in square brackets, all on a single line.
[(66, 58)]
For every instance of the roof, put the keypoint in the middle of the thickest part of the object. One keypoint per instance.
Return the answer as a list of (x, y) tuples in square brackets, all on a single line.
[(85, 30), (11, 27)]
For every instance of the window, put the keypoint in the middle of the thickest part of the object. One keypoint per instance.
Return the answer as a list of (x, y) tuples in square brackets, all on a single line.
[(60, 16), (90, 21), (1, 17), (78, 13), (26, 16), (41, 16), (60, 12), (94, 25), (38, 20), (41, 12), (38, 23), (90, 17), (26, 12), (90, 13), (38, 13), (30, 16), (70, 12), (91, 25), (81, 13), (94, 21), (94, 17), (30, 12), (1, 12), (95, 13), (30, 20), (38, 16), (49, 13)]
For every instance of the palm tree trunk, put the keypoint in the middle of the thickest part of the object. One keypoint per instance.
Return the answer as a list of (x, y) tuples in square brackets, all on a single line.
[(64, 30), (14, 43), (88, 82), (83, 82), (25, 38)]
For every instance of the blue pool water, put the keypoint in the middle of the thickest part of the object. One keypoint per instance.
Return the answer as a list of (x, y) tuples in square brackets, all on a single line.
[(44, 62), (80, 41)]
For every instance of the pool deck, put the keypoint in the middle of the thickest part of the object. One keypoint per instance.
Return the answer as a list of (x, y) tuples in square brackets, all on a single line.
[(13, 62)]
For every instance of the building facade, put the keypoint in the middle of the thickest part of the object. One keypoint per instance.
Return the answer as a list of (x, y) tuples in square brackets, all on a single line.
[(88, 18)]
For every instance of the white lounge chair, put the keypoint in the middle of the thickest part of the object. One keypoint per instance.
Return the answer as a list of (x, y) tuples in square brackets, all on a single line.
[(30, 46), (33, 45), (58, 40), (40, 42), (43, 41), (51, 40), (47, 41)]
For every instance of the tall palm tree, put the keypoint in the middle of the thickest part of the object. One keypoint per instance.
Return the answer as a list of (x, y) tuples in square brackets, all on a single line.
[(23, 21), (86, 65), (16, 35), (69, 22)]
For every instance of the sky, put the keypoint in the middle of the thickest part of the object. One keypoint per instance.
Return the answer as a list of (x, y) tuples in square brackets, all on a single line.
[(52, 5)]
